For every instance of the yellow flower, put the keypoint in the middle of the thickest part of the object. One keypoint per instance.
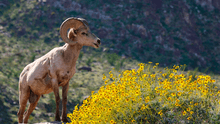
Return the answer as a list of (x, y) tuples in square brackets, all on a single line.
[(184, 113), (212, 81), (117, 99), (173, 94), (176, 67), (147, 99), (141, 67), (111, 75), (179, 93), (106, 82), (137, 92), (188, 109), (143, 107), (164, 75), (176, 104), (134, 73), (153, 75), (168, 98), (104, 77), (188, 118), (177, 100), (112, 122), (171, 75), (144, 75), (160, 113)]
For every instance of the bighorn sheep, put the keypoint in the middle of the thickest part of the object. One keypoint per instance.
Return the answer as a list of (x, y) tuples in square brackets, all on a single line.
[(54, 69)]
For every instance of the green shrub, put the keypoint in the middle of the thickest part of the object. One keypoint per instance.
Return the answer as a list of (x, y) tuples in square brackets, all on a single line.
[(112, 58)]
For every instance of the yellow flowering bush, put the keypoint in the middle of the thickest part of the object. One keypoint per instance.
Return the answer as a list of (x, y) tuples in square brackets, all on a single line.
[(151, 95)]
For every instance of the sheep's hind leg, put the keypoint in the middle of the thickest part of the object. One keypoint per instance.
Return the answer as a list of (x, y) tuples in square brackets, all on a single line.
[(24, 94), (30, 109)]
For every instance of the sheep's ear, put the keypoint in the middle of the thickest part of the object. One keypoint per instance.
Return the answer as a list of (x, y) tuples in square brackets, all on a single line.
[(72, 34)]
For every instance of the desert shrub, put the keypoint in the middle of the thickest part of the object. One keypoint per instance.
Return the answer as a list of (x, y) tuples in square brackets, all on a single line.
[(151, 95), (112, 58)]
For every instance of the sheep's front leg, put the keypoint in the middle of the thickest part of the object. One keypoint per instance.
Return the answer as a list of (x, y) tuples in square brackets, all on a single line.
[(64, 102), (57, 97)]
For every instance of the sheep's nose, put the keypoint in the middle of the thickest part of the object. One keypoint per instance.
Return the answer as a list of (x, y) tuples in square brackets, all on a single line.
[(99, 41)]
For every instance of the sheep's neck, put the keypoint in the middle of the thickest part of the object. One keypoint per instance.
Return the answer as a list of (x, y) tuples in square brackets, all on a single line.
[(71, 53)]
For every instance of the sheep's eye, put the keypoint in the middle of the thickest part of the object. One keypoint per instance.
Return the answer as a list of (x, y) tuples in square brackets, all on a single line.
[(84, 34)]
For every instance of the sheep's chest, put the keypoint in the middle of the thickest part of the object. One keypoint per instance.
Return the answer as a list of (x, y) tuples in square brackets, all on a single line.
[(64, 76)]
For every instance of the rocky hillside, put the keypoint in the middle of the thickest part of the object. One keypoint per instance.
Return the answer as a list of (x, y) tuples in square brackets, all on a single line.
[(169, 32), (165, 31)]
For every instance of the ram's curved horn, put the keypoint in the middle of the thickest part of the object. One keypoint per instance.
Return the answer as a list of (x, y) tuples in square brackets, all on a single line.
[(74, 23)]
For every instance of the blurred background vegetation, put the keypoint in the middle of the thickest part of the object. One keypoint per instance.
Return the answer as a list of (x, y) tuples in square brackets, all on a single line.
[(165, 31)]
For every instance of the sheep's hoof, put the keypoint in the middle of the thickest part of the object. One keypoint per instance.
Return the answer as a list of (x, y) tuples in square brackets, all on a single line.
[(57, 118), (65, 119)]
